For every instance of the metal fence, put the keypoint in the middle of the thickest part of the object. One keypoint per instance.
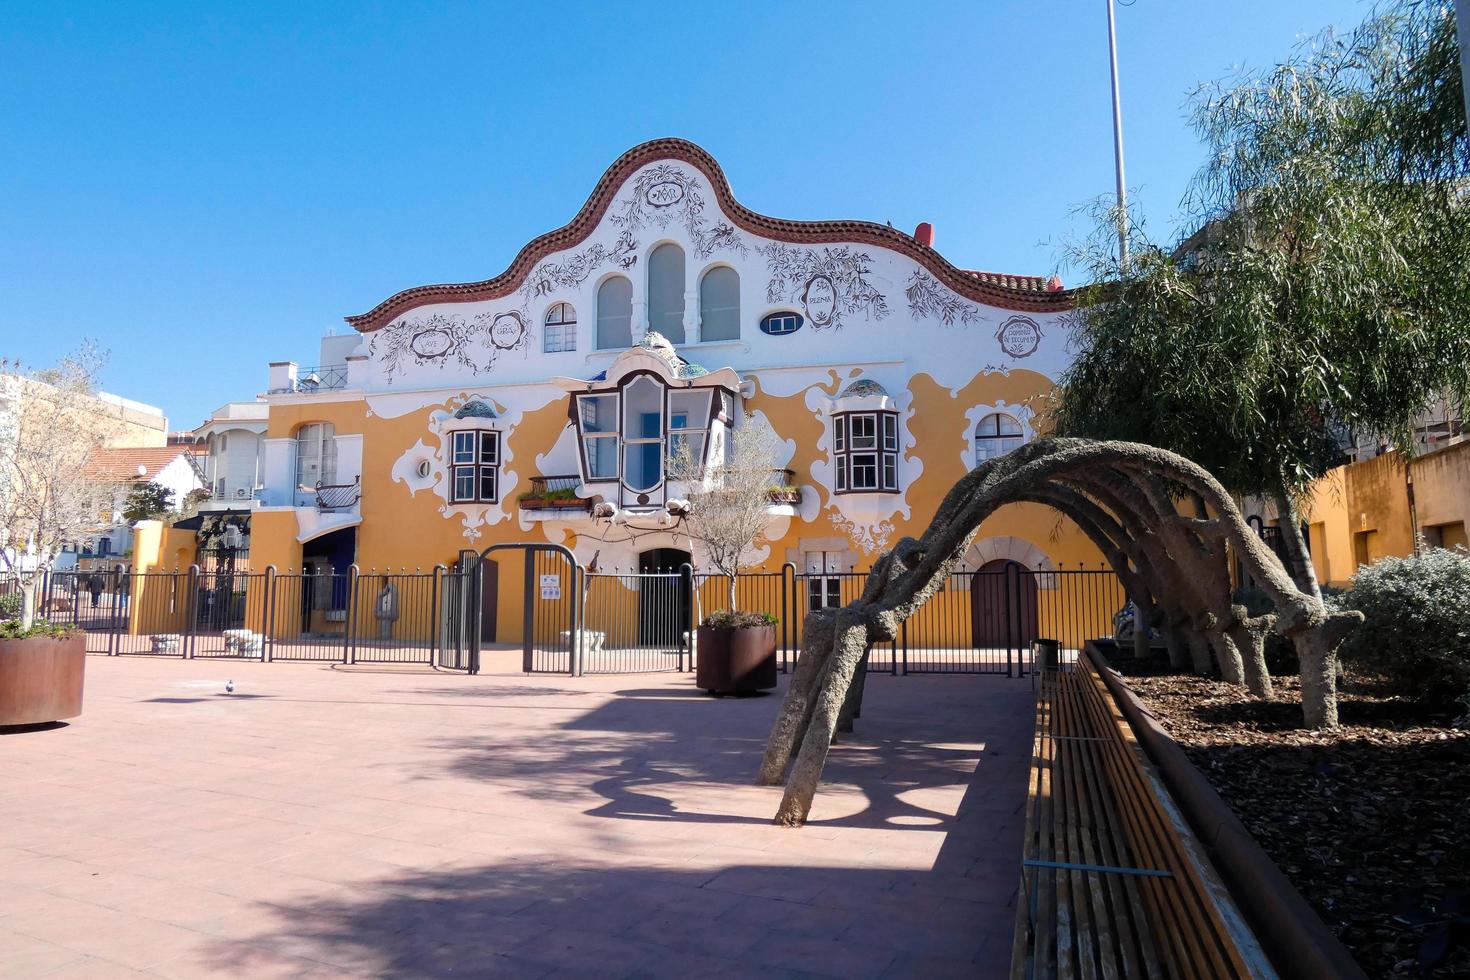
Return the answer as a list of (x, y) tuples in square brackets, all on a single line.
[(562, 618)]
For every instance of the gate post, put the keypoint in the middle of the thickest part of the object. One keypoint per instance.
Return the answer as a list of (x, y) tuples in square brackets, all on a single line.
[(268, 605), (434, 618), (686, 588), (575, 667), (116, 576), (528, 613), (788, 603), (191, 615), (349, 626), (473, 612)]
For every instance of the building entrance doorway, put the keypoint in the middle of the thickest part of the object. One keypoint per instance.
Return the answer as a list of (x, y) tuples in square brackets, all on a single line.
[(664, 598), (1003, 605)]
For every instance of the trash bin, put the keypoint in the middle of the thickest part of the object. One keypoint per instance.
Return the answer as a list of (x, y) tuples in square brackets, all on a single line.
[(1046, 654)]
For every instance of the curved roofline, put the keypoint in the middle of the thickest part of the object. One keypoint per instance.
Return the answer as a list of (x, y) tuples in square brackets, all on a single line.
[(1024, 293)]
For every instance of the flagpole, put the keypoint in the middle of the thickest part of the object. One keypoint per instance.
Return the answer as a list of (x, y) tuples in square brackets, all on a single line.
[(1118, 136)]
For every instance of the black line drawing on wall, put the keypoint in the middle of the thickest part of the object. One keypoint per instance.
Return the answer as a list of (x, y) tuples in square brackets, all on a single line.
[(665, 194), (927, 298), (572, 271), (434, 340), (439, 340), (1019, 336), (828, 283)]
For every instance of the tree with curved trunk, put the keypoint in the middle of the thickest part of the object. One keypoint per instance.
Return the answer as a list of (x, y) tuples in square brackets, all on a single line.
[(1322, 290), (909, 575)]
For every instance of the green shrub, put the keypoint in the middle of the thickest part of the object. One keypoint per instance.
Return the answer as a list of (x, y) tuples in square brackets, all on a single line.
[(10, 604), (10, 629), (1417, 623), (725, 619)]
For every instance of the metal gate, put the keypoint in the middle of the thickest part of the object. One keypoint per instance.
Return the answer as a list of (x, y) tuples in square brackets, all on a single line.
[(550, 636)]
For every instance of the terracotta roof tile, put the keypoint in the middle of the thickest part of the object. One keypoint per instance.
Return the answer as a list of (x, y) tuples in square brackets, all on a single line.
[(1026, 293), (121, 465)]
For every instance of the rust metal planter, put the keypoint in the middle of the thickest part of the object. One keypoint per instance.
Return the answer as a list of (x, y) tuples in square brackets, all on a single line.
[(41, 679), (734, 661)]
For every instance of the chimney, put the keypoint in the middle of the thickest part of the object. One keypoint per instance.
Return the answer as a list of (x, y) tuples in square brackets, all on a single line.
[(1054, 284), (924, 234)]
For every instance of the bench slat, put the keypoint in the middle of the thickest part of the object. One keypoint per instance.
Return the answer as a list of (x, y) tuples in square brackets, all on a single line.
[(1114, 885)]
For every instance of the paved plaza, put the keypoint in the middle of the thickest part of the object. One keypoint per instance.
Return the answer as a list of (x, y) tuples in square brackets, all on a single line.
[(329, 821)]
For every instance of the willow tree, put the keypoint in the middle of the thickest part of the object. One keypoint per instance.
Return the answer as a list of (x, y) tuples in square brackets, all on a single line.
[(1326, 288)]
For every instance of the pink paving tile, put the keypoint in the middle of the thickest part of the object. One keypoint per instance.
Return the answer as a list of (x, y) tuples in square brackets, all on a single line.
[(362, 822)]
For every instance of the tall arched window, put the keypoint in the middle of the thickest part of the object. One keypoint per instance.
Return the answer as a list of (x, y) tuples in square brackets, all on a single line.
[(996, 435), (719, 304), (316, 454), (666, 292), (615, 314), (559, 333)]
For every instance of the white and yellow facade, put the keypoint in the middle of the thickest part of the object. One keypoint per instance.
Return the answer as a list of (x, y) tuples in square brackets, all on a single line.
[(459, 416)]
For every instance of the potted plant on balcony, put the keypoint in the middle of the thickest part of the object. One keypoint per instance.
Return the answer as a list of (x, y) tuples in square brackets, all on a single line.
[(47, 501), (544, 496), (726, 510)]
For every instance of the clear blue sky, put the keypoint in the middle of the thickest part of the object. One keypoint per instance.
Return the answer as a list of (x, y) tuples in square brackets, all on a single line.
[(207, 187)]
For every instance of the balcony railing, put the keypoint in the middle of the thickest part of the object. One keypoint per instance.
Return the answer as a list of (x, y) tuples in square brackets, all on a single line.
[(554, 493), (324, 378), (338, 496)]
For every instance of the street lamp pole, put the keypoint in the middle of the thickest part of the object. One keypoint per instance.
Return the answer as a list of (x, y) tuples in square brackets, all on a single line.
[(1118, 135), (1462, 30)]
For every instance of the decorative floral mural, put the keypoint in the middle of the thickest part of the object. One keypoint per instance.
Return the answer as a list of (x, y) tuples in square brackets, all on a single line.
[(437, 340), (828, 283), (570, 272), (928, 299), (666, 194)]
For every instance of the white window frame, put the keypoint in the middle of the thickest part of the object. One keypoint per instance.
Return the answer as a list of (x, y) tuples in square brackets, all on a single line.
[(865, 451), (324, 451), (559, 336), (474, 456), (988, 445)]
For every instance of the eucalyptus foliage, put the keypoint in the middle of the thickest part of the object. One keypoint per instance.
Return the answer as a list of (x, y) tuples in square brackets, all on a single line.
[(1327, 288)]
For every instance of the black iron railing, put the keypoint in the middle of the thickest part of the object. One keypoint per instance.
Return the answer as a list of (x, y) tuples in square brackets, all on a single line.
[(338, 496), (326, 377)]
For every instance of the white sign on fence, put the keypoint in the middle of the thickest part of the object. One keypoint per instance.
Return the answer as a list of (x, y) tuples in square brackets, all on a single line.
[(551, 586)]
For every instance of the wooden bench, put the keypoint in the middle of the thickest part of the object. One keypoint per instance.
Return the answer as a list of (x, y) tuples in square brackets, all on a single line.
[(1114, 883)]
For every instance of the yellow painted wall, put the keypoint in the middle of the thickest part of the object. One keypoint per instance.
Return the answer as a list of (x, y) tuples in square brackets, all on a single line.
[(404, 530), (1360, 512)]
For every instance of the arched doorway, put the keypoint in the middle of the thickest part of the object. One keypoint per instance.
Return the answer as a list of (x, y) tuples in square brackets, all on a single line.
[(1003, 605), (663, 598)]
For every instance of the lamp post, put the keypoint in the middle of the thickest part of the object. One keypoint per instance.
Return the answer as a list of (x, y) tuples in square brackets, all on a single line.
[(1462, 31), (1118, 136)]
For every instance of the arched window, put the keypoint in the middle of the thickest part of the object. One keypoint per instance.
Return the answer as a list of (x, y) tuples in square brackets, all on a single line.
[(666, 292), (559, 332), (316, 454), (719, 304), (615, 314), (996, 435)]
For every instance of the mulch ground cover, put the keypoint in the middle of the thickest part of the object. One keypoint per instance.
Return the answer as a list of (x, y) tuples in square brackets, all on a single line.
[(1369, 822)]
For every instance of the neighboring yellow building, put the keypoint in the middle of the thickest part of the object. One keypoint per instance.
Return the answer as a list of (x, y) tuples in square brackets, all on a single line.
[(1366, 510), (541, 405)]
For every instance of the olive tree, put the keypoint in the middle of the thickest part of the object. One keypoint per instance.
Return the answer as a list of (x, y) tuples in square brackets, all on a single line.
[(727, 502)]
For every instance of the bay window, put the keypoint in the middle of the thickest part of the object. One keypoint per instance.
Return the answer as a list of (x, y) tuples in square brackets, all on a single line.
[(865, 452), (599, 424), (474, 466)]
